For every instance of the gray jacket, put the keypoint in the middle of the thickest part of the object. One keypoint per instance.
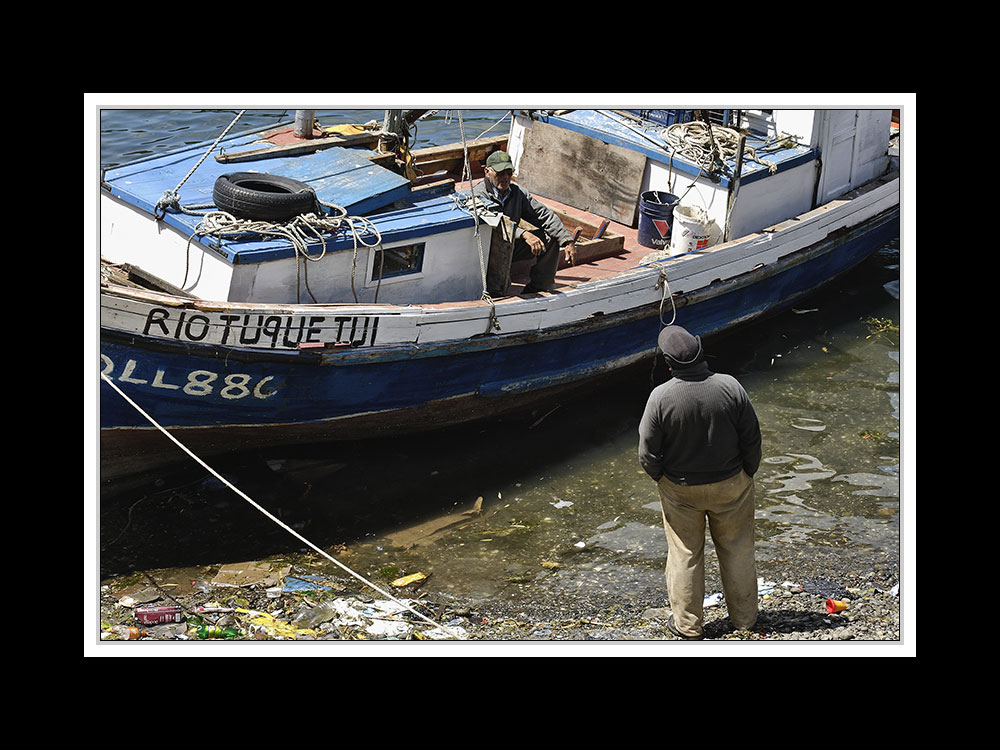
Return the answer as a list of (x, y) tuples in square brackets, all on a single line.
[(520, 204)]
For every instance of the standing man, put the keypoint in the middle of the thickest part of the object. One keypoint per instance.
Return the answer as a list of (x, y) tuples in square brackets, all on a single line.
[(512, 242), (699, 439)]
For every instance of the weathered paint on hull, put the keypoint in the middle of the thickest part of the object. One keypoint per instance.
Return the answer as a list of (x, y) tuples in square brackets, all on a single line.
[(219, 400)]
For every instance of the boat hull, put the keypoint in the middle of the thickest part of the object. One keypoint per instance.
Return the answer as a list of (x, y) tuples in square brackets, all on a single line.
[(218, 399)]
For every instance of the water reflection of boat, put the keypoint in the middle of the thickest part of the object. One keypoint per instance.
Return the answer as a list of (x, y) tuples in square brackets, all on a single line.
[(368, 316)]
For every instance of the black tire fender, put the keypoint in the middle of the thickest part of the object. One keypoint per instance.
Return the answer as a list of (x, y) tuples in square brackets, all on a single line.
[(263, 196)]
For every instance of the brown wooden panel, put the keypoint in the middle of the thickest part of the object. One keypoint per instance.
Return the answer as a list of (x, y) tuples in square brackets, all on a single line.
[(581, 171)]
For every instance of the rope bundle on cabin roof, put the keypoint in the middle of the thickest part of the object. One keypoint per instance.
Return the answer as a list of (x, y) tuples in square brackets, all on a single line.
[(299, 231), (709, 149)]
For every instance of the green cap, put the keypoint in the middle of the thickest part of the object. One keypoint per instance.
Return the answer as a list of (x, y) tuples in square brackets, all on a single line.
[(499, 160)]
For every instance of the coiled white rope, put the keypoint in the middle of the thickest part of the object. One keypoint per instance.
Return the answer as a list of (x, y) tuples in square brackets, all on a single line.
[(297, 535), (708, 147), (299, 231)]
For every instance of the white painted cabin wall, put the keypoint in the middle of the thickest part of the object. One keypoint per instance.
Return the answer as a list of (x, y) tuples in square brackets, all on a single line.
[(801, 123), (451, 269), (773, 199), (853, 144), (129, 235), (450, 273), (872, 147)]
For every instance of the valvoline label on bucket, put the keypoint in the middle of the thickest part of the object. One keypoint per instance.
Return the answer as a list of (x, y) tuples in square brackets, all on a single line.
[(656, 211)]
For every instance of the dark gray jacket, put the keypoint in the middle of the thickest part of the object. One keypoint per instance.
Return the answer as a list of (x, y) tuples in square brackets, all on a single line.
[(699, 427), (520, 204)]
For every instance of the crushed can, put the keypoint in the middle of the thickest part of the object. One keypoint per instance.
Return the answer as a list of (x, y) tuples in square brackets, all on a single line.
[(159, 615)]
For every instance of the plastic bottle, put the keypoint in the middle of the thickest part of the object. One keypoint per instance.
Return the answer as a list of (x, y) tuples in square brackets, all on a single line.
[(127, 633), (214, 631)]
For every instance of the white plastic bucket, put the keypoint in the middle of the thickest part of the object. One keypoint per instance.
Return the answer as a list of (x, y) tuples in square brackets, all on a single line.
[(690, 230)]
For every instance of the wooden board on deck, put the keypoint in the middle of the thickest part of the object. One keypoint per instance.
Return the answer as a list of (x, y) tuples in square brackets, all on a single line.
[(451, 157), (581, 171)]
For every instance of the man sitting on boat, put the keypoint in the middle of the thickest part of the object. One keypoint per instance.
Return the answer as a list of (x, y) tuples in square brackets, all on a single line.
[(511, 241)]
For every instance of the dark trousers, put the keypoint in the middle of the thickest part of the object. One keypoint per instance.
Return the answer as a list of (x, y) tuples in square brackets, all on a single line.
[(542, 273)]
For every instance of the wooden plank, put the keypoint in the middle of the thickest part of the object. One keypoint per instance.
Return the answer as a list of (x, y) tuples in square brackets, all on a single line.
[(587, 248), (581, 171), (477, 150), (295, 149)]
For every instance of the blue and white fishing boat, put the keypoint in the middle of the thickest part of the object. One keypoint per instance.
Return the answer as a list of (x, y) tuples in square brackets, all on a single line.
[(363, 311)]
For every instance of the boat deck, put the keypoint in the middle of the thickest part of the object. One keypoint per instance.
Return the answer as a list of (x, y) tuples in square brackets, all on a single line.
[(348, 177), (352, 176), (567, 276)]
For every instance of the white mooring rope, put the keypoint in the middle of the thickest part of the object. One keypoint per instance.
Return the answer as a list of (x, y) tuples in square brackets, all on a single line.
[(291, 531)]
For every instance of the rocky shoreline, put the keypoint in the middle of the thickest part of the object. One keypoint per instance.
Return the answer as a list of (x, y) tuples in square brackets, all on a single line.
[(290, 602)]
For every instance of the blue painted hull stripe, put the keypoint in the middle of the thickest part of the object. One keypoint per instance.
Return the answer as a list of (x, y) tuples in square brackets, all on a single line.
[(191, 390)]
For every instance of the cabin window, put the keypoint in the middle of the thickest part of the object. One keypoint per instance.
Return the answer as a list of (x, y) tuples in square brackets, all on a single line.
[(395, 262)]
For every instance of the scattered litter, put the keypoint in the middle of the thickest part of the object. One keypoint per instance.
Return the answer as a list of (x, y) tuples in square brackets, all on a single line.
[(561, 504), (214, 631), (158, 615), (765, 588), (816, 426), (390, 629), (440, 634), (304, 583), (274, 627), (340, 610), (144, 596), (382, 607), (826, 589), (713, 599), (250, 574), (833, 605), (894, 591), (580, 545), (407, 580), (549, 565), (803, 312), (128, 633), (169, 631), (795, 588), (381, 619)]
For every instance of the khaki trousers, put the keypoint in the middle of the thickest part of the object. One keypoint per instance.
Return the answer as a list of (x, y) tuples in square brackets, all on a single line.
[(729, 508)]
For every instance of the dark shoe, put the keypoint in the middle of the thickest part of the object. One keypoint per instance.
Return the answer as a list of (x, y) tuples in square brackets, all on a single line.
[(673, 629), (529, 289)]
